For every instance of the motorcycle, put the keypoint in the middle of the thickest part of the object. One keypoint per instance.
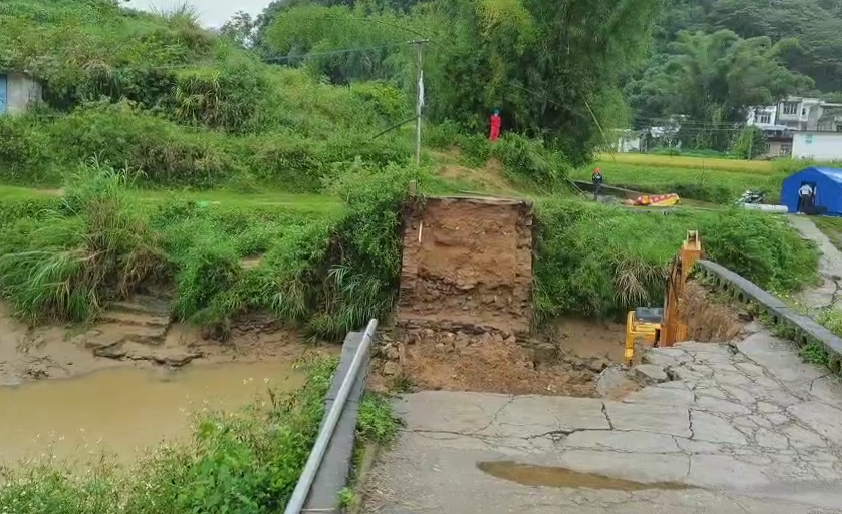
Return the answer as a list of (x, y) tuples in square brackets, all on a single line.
[(752, 197)]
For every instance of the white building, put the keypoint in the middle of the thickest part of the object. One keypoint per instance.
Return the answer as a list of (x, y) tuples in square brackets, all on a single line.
[(17, 92), (628, 141), (798, 114), (762, 115), (821, 146)]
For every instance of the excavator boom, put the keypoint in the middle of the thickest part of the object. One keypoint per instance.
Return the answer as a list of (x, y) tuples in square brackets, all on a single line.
[(645, 325)]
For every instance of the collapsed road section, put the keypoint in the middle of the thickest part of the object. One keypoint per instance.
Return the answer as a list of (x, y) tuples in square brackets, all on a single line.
[(467, 265)]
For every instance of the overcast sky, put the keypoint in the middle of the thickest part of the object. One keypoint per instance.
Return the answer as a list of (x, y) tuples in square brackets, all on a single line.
[(214, 12)]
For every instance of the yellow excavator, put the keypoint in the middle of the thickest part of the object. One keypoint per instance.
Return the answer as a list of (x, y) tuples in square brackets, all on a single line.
[(664, 327)]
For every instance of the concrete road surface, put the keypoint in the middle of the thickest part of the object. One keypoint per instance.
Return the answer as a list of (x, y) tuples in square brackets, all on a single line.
[(745, 429)]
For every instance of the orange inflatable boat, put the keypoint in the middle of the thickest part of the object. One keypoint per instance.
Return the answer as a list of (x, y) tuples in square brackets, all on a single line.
[(655, 200)]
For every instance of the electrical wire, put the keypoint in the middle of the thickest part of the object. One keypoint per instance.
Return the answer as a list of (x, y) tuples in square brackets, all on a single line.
[(285, 58)]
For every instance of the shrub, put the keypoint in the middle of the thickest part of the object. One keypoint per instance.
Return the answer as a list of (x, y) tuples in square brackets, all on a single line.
[(526, 161), (761, 248), (121, 135), (387, 101), (205, 244), (25, 153), (529, 161), (300, 165), (225, 98)]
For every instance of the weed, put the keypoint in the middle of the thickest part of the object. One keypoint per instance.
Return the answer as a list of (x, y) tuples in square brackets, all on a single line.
[(376, 422), (814, 353), (402, 383), (527, 163), (347, 498)]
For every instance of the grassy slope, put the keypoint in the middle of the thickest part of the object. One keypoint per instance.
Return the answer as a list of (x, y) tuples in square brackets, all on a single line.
[(277, 133), (832, 228)]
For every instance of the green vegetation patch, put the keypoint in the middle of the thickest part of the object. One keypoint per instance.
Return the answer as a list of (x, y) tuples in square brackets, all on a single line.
[(710, 185), (325, 265), (599, 260)]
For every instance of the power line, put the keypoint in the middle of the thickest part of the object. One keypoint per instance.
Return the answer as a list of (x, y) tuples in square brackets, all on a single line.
[(334, 52), (675, 121)]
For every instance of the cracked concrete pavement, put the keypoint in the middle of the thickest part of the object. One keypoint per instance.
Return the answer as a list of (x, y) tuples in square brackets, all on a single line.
[(749, 427)]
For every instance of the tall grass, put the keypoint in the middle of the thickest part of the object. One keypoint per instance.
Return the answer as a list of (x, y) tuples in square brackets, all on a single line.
[(182, 15), (598, 260), (327, 271), (94, 247)]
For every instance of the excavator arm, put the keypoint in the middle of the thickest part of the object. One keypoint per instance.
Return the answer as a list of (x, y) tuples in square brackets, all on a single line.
[(645, 325)]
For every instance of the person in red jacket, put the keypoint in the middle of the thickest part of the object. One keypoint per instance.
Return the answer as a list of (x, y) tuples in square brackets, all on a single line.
[(496, 125)]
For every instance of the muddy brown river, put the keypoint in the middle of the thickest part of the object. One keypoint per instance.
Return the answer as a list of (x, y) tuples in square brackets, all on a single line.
[(123, 410)]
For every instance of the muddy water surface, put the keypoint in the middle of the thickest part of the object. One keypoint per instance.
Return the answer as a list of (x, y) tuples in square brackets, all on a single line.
[(542, 476), (123, 410)]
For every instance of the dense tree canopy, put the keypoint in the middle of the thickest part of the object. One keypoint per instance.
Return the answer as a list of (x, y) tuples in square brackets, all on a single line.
[(553, 68), (815, 24), (712, 80)]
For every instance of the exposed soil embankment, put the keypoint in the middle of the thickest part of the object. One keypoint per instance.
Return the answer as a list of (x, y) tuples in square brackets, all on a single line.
[(565, 361), (709, 320), (131, 333), (467, 265)]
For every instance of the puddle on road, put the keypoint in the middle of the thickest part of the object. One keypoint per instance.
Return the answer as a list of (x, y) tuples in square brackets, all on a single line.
[(542, 476), (124, 410)]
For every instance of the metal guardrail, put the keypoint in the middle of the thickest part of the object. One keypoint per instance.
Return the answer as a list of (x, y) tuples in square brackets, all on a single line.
[(745, 291), (337, 407)]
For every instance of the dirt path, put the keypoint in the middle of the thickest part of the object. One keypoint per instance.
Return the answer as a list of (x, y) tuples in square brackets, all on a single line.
[(830, 265)]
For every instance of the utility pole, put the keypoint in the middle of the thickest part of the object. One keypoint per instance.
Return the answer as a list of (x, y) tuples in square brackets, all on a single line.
[(750, 143), (419, 106)]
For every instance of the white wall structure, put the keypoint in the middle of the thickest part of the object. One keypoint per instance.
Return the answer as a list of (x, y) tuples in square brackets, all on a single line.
[(798, 113), (766, 115), (19, 91), (629, 144), (825, 146)]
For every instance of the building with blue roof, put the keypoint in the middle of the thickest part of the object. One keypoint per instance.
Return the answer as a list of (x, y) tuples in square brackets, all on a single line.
[(827, 190)]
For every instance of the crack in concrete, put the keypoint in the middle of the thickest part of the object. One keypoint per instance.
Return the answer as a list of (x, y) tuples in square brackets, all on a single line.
[(813, 382), (494, 417), (608, 419), (565, 432), (690, 425)]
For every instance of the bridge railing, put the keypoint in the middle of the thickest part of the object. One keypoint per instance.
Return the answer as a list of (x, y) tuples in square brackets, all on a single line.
[(806, 329), (326, 471)]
